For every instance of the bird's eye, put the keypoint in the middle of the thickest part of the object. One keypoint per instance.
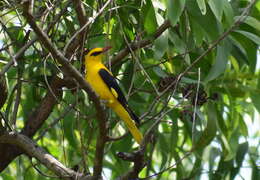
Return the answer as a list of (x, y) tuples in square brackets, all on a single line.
[(96, 53), (86, 51)]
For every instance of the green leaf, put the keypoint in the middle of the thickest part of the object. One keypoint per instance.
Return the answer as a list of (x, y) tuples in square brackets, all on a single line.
[(228, 12), (223, 168), (174, 132), (221, 61), (180, 45), (118, 39), (202, 6), (198, 32), (250, 36), (175, 8), (258, 81), (10, 103), (196, 166), (150, 23), (16, 34), (158, 70), (210, 131), (164, 146), (243, 128), (207, 22), (256, 100), (217, 7), (221, 124), (69, 25), (161, 45), (178, 42), (7, 176), (241, 152), (128, 75), (251, 21), (214, 153), (99, 41), (238, 45), (233, 142), (255, 168), (250, 48), (69, 125)]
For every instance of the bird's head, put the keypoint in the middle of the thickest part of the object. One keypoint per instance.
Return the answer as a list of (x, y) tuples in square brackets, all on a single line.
[(96, 53)]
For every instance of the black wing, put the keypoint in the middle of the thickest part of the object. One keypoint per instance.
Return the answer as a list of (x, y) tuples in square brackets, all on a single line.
[(111, 83)]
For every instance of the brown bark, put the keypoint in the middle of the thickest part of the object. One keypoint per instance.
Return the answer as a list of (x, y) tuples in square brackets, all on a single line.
[(9, 152)]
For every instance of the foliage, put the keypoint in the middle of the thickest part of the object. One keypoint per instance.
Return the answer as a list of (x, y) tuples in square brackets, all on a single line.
[(206, 118)]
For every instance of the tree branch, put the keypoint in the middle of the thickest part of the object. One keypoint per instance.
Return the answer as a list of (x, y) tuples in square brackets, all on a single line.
[(81, 12), (3, 91), (214, 44), (33, 150), (31, 42), (34, 122), (100, 145), (137, 158), (140, 44), (90, 21)]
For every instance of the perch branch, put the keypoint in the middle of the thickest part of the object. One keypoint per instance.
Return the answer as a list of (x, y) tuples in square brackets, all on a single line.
[(33, 150)]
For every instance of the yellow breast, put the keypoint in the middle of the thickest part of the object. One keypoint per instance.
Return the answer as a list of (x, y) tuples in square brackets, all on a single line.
[(97, 84)]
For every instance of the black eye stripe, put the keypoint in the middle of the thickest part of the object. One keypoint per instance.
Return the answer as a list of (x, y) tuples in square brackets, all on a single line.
[(95, 53)]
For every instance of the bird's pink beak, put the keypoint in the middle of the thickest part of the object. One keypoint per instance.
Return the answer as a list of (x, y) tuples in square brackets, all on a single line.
[(105, 49)]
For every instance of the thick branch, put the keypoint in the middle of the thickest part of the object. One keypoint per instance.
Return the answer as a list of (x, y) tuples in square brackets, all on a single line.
[(85, 26), (3, 91), (31, 149), (137, 158), (100, 146), (81, 12), (42, 112), (34, 122)]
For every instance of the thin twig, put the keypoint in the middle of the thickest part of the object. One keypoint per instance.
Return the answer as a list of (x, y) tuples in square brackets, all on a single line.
[(195, 108), (55, 121), (241, 19), (81, 15), (46, 79), (170, 167), (31, 42), (90, 21), (40, 172), (140, 44), (17, 55), (18, 98)]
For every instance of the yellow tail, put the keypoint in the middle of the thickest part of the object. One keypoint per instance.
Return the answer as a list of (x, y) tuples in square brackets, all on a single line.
[(124, 115)]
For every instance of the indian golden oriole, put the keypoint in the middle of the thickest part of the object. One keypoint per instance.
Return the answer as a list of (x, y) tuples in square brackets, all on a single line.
[(104, 84)]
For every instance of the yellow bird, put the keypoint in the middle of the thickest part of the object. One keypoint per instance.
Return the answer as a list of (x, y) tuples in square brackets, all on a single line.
[(104, 84)]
